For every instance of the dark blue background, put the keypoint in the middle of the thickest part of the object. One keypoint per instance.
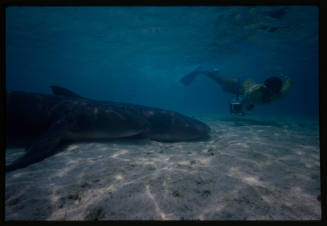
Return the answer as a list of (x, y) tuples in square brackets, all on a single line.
[(138, 54)]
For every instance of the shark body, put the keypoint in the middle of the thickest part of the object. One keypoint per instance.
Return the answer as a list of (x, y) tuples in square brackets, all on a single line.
[(41, 122)]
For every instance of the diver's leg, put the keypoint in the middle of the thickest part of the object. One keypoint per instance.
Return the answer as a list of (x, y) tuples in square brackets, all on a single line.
[(188, 79), (227, 84)]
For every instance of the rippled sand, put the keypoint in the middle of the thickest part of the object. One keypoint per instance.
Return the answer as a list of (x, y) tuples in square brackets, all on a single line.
[(248, 170)]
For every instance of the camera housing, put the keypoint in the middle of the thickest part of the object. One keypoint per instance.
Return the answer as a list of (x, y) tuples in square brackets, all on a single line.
[(236, 108)]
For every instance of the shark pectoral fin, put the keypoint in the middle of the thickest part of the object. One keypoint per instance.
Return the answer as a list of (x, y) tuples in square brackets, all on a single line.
[(45, 146)]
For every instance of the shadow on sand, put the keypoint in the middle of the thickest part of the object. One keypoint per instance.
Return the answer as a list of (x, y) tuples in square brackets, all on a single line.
[(250, 122)]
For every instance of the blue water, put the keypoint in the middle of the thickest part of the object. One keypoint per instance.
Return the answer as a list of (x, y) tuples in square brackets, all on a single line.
[(139, 54)]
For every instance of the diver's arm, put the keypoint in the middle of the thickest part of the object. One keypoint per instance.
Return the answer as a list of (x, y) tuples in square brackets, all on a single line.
[(286, 87), (284, 91)]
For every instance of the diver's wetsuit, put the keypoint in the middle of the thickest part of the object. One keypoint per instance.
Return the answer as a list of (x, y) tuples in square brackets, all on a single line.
[(249, 89)]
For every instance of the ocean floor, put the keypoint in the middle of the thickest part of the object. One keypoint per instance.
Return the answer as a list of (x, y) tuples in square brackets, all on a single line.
[(248, 170)]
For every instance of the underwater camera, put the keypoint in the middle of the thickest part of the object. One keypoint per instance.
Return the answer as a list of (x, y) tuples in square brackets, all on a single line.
[(236, 108)]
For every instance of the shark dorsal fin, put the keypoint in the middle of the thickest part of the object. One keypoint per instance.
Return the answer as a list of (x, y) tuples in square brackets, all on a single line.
[(60, 91)]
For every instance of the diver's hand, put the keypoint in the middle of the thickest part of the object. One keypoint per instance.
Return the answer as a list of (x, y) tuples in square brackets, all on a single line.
[(285, 77), (289, 81)]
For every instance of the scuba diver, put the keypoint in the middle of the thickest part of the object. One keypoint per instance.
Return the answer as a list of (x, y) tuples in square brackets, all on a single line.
[(248, 92)]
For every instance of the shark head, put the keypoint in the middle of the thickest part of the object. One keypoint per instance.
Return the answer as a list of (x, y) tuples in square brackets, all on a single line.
[(171, 126)]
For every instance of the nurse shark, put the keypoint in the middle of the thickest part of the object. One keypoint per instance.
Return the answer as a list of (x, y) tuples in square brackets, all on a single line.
[(41, 122)]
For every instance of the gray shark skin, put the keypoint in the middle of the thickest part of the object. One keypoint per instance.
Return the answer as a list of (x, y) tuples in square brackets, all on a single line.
[(41, 122)]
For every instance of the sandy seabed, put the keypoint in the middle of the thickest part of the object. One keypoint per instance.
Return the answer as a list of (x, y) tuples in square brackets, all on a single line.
[(248, 170)]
